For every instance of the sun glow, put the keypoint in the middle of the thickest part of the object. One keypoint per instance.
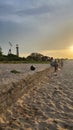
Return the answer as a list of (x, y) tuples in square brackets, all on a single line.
[(71, 48), (65, 53)]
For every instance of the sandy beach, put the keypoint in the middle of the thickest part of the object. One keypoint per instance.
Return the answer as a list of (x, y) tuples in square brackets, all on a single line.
[(7, 77), (47, 105)]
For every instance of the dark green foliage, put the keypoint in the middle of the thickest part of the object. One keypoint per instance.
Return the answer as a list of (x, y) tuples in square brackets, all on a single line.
[(32, 58), (14, 71), (11, 57), (1, 56), (0, 51), (37, 57)]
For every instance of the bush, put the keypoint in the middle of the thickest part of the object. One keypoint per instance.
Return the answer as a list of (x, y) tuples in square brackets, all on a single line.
[(14, 71)]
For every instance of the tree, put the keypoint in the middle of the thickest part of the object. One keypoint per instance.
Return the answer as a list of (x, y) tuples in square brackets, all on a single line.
[(37, 57), (0, 51)]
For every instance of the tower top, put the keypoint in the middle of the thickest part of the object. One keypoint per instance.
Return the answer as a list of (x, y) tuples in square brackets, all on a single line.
[(17, 45)]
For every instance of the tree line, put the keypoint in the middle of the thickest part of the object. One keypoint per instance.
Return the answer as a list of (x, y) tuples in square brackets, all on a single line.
[(33, 57)]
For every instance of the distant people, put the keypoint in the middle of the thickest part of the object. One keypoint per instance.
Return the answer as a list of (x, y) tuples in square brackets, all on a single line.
[(32, 68), (54, 63), (61, 63)]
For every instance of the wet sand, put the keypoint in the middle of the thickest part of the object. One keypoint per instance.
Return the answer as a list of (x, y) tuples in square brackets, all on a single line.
[(47, 105)]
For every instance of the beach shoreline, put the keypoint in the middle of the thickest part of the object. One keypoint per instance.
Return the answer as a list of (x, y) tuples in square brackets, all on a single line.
[(48, 105), (12, 90)]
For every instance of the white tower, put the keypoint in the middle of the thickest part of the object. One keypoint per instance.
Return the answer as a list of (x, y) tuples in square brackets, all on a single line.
[(17, 50)]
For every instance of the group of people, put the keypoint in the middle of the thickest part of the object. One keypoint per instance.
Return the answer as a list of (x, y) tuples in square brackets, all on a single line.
[(56, 63)]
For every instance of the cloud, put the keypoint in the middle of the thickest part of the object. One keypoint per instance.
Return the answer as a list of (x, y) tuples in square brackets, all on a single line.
[(36, 24), (35, 11), (65, 53), (19, 10)]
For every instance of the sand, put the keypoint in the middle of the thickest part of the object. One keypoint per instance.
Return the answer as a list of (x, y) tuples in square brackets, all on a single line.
[(48, 105), (7, 77)]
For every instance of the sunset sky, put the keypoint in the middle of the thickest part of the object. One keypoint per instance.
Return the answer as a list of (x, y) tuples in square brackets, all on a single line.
[(43, 26)]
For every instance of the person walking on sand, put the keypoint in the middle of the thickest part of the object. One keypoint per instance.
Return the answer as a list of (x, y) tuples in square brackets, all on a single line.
[(52, 62), (61, 62), (55, 65)]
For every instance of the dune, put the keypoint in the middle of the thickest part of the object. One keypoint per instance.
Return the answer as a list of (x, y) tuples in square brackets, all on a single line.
[(47, 105)]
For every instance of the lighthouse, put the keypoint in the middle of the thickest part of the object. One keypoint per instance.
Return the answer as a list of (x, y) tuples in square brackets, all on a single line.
[(17, 50)]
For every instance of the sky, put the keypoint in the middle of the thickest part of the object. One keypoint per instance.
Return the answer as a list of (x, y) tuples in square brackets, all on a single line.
[(43, 26)]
